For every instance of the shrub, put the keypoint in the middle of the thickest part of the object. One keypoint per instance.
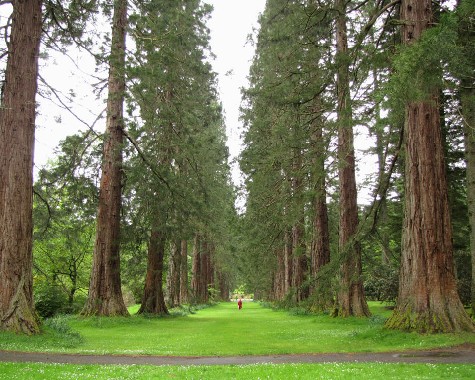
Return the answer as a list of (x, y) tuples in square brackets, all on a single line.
[(382, 283), (49, 299), (464, 275), (59, 327)]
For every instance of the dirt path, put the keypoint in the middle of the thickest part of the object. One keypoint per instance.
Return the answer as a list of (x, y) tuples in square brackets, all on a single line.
[(454, 355)]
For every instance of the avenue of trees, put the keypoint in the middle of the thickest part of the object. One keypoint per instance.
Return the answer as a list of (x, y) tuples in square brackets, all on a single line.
[(135, 201), (400, 73), (144, 210)]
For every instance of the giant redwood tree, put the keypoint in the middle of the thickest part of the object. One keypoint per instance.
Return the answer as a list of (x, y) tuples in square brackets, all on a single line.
[(105, 294), (350, 299), (427, 299), (17, 136)]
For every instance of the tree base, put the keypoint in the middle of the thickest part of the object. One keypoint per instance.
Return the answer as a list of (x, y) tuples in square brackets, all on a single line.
[(20, 318), (430, 321), (151, 306), (109, 308)]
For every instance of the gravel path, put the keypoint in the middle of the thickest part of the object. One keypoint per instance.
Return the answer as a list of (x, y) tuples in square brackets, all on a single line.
[(460, 354)]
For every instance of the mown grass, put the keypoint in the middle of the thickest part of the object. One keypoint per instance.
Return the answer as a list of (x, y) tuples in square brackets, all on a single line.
[(334, 371), (223, 330)]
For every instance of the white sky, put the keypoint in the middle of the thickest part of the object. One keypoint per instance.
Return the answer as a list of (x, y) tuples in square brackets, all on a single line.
[(230, 24)]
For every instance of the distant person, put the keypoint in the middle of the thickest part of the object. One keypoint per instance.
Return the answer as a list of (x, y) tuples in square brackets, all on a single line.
[(240, 304)]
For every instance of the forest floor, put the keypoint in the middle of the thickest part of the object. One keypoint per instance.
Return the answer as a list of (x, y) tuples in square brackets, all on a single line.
[(463, 354)]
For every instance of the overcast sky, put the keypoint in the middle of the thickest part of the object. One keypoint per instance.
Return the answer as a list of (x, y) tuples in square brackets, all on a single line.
[(231, 22), (230, 25)]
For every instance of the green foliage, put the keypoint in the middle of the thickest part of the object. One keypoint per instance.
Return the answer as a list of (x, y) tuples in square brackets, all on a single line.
[(66, 23), (59, 327), (463, 275), (49, 299), (64, 218), (382, 283), (418, 67)]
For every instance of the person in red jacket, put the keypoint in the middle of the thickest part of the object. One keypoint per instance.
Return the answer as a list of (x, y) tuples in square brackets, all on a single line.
[(239, 304)]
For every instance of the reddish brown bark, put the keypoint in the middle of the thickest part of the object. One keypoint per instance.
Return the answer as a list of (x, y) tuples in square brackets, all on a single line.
[(466, 34), (278, 288), (320, 248), (288, 272), (299, 260), (17, 136), (223, 283), (350, 298), (427, 299), (153, 301), (196, 282), (173, 277), (184, 272), (207, 270), (105, 294)]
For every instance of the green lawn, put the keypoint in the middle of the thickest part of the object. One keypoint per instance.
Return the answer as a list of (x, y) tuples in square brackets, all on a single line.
[(224, 330), (334, 371)]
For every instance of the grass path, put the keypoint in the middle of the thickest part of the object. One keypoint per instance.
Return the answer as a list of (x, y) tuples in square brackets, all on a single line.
[(254, 330), (223, 330)]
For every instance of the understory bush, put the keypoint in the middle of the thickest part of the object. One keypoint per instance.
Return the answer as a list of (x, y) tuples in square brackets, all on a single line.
[(60, 327), (49, 299), (382, 283)]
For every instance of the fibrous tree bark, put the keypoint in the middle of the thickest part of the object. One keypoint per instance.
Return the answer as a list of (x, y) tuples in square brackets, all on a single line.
[(184, 272), (427, 299), (278, 291), (174, 271), (153, 301), (17, 136), (320, 248), (466, 35), (288, 268), (299, 262), (196, 281), (105, 294), (223, 283), (207, 270), (350, 298)]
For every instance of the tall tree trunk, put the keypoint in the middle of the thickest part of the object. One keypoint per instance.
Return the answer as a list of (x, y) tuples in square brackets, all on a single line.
[(184, 272), (196, 271), (380, 148), (299, 261), (427, 300), (279, 275), (173, 277), (153, 301), (17, 136), (223, 285), (350, 298), (466, 35), (288, 268), (206, 277), (320, 248), (468, 110), (105, 294)]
